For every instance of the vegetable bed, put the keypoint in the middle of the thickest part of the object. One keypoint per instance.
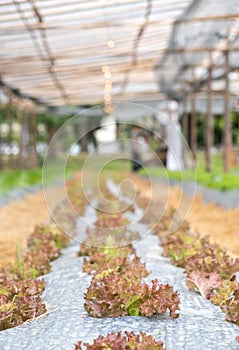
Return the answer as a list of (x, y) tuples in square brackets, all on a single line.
[(201, 325)]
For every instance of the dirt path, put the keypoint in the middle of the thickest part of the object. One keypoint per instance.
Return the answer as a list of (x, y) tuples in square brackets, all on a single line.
[(222, 225), (18, 219)]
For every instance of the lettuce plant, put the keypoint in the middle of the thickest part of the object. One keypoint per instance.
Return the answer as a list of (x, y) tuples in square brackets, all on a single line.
[(108, 220), (98, 263), (19, 301), (230, 305), (224, 292), (203, 283), (196, 253), (115, 294), (213, 259), (179, 246), (126, 341), (43, 245), (106, 248)]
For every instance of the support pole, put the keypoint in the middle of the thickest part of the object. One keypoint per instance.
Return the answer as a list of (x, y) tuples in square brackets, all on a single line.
[(209, 124), (10, 128), (1, 155), (32, 136), (185, 118), (185, 127), (193, 139), (227, 118), (84, 135), (20, 122)]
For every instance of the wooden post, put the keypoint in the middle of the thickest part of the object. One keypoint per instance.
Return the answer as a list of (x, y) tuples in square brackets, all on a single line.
[(29, 138), (83, 134), (20, 122), (32, 137), (209, 124), (193, 139), (24, 136), (227, 118), (52, 151), (1, 155), (185, 117), (10, 131), (185, 127)]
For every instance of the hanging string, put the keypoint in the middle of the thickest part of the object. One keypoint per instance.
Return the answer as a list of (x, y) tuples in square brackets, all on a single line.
[(108, 85)]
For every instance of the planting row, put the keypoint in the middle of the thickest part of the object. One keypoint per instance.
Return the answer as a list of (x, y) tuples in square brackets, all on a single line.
[(209, 269), (116, 288), (20, 287)]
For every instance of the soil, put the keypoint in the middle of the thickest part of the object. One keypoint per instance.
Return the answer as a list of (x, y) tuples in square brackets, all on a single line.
[(18, 219), (220, 224)]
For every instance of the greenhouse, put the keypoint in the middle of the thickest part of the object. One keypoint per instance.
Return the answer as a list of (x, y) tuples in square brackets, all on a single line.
[(119, 174)]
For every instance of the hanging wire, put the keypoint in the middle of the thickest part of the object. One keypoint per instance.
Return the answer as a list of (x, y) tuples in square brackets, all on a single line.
[(134, 56), (42, 32), (44, 56)]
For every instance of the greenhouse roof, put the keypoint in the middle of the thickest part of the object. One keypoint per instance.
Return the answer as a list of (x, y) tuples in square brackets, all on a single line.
[(205, 36), (80, 52)]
